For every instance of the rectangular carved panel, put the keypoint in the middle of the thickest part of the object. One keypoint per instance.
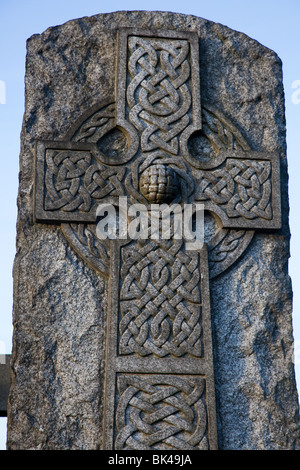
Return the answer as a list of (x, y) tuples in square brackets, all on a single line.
[(71, 182), (243, 192), (160, 301), (163, 412), (158, 87)]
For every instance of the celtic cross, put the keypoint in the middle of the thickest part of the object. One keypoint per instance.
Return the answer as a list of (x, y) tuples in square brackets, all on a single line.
[(158, 143)]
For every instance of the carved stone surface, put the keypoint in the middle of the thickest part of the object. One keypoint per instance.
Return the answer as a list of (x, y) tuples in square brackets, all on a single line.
[(159, 184), (161, 412), (164, 283), (115, 343)]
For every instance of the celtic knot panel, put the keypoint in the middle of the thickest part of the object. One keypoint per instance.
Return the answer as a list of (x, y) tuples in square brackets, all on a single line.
[(163, 412), (160, 300), (73, 180), (243, 188), (158, 94)]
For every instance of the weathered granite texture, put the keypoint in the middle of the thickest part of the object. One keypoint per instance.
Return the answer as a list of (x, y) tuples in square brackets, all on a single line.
[(58, 358)]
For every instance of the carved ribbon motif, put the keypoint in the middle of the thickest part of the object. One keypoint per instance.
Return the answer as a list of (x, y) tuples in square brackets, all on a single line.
[(164, 412), (160, 300), (158, 96)]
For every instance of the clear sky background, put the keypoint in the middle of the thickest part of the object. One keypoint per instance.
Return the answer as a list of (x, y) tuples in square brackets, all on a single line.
[(274, 23)]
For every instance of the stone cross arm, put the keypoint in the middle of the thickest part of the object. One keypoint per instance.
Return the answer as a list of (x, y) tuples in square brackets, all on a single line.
[(72, 179)]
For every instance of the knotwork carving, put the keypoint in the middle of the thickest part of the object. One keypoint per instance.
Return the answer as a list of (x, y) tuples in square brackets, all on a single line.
[(74, 179), (240, 190), (84, 240), (96, 125), (225, 248), (161, 412), (243, 187), (158, 95), (160, 300), (220, 132)]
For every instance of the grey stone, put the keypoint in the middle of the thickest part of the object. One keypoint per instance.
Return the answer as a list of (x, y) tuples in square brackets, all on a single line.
[(4, 382), (62, 304)]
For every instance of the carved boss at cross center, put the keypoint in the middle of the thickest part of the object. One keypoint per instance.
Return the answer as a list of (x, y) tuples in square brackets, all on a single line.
[(159, 144)]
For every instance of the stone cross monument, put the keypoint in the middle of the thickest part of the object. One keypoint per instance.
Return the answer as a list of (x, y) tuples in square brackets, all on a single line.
[(144, 343)]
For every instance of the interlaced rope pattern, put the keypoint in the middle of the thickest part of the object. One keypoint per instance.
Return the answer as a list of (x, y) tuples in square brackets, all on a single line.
[(73, 179), (243, 188), (161, 412), (158, 94), (160, 300)]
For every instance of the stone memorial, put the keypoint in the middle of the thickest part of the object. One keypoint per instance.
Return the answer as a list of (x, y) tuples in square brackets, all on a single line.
[(152, 342)]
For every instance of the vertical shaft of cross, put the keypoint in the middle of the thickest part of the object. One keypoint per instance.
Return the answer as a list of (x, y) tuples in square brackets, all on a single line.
[(159, 348), (173, 369)]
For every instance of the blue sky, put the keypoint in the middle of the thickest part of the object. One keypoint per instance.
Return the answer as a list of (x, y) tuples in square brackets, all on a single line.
[(274, 23)]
